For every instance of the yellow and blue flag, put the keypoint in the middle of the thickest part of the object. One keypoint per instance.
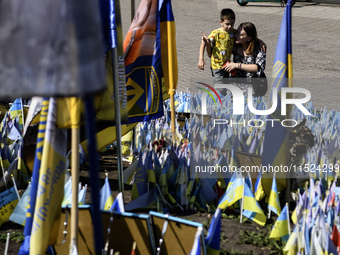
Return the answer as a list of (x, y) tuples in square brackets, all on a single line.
[(82, 195), (291, 247), (252, 209), (212, 241), (24, 249), (118, 204), (19, 214), (17, 110), (113, 37), (258, 190), (274, 201), (67, 200), (234, 191), (274, 144), (139, 186), (67, 192), (51, 184), (106, 198), (280, 229), (168, 48), (9, 200)]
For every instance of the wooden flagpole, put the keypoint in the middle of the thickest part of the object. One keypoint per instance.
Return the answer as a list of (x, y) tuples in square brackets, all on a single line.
[(75, 180), (171, 87)]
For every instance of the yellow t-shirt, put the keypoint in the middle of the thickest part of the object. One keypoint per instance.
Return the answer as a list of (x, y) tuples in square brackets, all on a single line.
[(222, 47)]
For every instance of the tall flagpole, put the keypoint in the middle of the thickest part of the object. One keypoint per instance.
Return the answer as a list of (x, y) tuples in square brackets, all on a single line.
[(171, 83), (118, 67)]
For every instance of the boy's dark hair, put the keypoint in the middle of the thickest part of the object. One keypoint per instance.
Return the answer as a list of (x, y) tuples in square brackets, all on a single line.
[(227, 14)]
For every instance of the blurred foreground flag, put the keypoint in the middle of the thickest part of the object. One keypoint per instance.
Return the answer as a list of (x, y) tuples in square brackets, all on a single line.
[(50, 48), (50, 189), (275, 145)]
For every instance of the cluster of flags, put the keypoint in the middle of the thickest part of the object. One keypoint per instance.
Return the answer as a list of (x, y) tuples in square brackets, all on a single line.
[(324, 156), (316, 219), (11, 138), (107, 203), (13, 169), (163, 175)]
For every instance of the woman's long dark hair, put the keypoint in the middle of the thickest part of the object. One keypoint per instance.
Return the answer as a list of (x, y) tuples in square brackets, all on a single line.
[(250, 29)]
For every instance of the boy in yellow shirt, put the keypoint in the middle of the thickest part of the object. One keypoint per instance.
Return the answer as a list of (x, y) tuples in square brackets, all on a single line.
[(219, 46)]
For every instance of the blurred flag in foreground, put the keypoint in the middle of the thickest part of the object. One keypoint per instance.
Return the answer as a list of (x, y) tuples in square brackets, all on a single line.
[(51, 184), (17, 110)]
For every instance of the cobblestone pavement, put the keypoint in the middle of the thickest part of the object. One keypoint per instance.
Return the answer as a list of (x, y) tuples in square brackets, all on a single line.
[(315, 39)]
